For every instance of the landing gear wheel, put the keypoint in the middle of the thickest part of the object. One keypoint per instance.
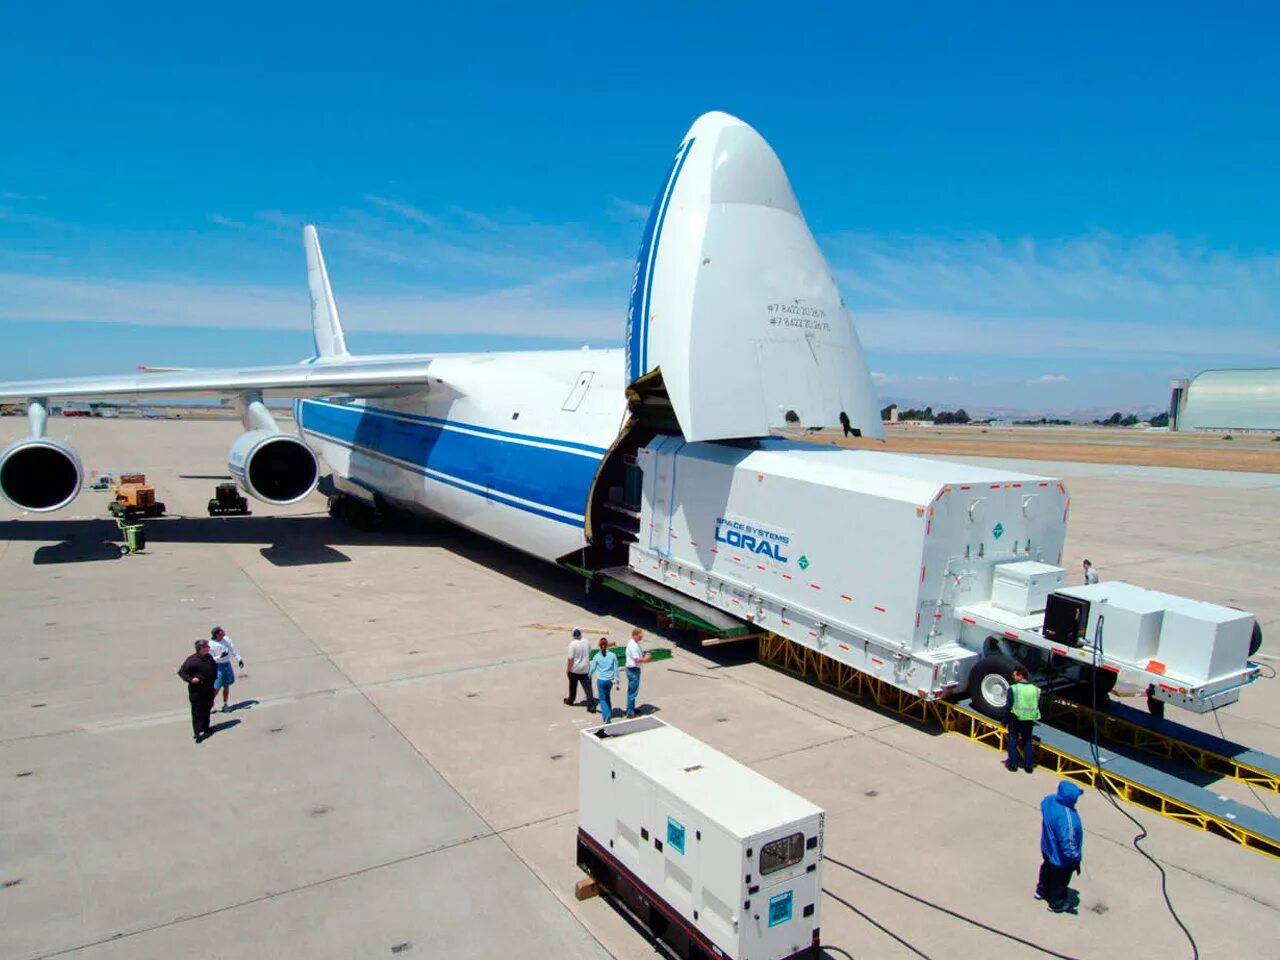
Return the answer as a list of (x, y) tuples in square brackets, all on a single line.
[(338, 507), (989, 683)]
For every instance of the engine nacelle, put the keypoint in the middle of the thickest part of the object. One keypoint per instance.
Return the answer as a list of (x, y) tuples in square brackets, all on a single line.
[(276, 468), (40, 474)]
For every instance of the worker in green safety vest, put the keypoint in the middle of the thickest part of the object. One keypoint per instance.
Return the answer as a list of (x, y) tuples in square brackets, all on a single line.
[(1023, 704)]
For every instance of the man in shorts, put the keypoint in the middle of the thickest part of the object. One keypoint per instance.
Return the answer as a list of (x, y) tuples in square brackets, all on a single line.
[(223, 652)]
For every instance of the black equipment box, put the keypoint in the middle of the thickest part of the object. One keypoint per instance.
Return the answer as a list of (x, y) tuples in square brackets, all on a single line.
[(1066, 619)]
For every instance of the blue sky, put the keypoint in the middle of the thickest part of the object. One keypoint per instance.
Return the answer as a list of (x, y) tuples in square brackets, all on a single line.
[(1030, 206)]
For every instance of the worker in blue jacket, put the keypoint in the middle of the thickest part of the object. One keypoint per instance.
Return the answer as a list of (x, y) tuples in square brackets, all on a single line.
[(1061, 841)]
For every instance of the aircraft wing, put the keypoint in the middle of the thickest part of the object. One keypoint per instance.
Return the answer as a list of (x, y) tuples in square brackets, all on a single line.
[(348, 375)]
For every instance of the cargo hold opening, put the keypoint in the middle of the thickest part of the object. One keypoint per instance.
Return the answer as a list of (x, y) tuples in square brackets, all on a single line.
[(613, 508)]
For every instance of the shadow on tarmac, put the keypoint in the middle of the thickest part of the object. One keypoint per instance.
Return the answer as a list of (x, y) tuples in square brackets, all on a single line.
[(310, 539), (75, 550), (287, 541), (220, 726)]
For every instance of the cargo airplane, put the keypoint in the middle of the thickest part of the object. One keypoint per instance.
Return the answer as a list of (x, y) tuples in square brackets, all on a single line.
[(636, 466), (735, 326)]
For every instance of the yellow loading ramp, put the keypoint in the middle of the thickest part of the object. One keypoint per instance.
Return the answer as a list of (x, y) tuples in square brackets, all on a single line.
[(1068, 755)]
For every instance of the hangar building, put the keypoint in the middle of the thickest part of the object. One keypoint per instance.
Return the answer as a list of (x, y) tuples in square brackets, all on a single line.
[(1238, 400)]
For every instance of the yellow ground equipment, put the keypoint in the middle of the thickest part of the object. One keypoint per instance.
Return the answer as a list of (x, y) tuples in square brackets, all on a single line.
[(135, 498)]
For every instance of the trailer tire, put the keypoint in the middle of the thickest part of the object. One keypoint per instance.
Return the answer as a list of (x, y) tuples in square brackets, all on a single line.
[(1255, 639), (989, 682)]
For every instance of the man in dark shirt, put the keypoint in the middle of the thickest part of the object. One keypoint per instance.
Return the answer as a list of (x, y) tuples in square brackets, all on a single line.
[(199, 672)]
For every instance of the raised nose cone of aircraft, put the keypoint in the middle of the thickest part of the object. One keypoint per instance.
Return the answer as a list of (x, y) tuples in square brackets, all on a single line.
[(734, 303), (742, 167)]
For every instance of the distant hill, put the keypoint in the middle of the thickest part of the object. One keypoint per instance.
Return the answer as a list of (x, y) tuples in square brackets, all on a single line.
[(978, 411)]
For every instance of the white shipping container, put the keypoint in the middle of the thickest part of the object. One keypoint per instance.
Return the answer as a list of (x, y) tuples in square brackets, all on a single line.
[(707, 853), (862, 555)]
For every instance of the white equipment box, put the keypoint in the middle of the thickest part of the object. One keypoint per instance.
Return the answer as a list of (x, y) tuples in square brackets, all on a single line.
[(1131, 618), (712, 858), (1203, 639), (1023, 588), (1184, 640)]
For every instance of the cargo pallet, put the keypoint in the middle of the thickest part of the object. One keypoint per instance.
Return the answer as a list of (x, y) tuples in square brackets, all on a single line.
[(1073, 757)]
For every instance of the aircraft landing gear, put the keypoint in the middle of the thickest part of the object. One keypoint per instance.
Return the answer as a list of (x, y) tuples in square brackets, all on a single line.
[(354, 511)]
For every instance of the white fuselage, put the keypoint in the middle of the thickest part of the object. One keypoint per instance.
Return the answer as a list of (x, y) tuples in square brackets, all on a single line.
[(505, 444)]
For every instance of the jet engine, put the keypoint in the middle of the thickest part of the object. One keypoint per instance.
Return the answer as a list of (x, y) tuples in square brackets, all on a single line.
[(39, 474), (276, 468)]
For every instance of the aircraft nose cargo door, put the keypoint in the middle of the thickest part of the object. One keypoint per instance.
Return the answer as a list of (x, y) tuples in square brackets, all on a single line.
[(734, 303)]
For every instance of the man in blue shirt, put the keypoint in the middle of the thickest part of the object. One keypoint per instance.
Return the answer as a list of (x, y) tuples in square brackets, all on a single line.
[(605, 666), (1061, 844)]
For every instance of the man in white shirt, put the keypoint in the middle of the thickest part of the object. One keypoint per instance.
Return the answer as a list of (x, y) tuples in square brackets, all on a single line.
[(1090, 574), (223, 652), (636, 655), (578, 668)]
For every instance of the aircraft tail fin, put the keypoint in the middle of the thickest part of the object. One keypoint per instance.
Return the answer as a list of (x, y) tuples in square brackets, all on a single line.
[(326, 325)]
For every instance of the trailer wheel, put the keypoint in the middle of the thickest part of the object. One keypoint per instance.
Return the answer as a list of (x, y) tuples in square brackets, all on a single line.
[(1255, 640), (989, 685)]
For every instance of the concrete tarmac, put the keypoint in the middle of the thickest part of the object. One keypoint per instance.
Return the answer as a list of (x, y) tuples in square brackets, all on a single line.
[(398, 776)]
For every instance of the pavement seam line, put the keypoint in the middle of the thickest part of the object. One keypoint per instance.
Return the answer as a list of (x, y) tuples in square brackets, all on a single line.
[(270, 896), (425, 759)]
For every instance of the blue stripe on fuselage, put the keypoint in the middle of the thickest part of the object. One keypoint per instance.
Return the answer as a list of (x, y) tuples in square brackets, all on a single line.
[(504, 467), (488, 431), (642, 280)]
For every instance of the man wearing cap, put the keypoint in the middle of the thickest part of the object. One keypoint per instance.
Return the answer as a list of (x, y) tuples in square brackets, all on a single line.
[(578, 668), (223, 652), (199, 672)]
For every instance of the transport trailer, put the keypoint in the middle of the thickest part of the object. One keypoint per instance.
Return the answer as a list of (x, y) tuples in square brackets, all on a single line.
[(938, 578), (713, 859)]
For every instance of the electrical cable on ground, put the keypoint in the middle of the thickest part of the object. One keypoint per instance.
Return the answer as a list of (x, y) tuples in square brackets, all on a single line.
[(879, 926), (947, 910), (1102, 788)]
